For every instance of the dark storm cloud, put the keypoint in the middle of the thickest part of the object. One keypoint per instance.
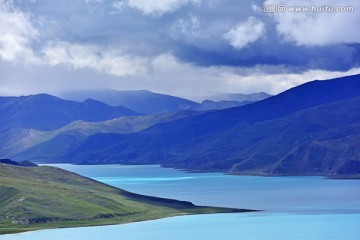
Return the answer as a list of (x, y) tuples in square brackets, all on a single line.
[(194, 33)]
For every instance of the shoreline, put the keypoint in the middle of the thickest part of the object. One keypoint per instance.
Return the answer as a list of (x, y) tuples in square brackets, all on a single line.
[(326, 176), (73, 200), (81, 224)]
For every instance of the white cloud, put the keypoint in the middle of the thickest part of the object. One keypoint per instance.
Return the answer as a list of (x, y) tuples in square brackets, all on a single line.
[(245, 33), (164, 73), (16, 33), (86, 56), (260, 80), (318, 28), (159, 7)]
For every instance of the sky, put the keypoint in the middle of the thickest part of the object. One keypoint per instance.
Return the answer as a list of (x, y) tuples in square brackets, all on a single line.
[(187, 48)]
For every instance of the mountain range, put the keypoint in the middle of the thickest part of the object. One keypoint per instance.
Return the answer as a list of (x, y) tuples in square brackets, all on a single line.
[(20, 137), (310, 129), (142, 101), (147, 102), (238, 97), (46, 112)]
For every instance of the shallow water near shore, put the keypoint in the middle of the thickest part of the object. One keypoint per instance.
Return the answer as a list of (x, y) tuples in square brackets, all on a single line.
[(295, 207)]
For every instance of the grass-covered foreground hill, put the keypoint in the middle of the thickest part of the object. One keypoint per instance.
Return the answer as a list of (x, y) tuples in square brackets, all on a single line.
[(46, 197)]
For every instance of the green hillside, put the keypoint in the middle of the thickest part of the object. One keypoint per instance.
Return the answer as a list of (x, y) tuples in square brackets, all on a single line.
[(46, 197)]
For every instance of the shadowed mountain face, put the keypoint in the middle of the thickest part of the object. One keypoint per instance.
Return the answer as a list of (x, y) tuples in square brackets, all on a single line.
[(263, 137), (45, 112), (318, 140), (141, 101)]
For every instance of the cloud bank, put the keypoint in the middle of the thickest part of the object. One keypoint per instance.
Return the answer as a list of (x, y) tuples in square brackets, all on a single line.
[(17, 33), (181, 47)]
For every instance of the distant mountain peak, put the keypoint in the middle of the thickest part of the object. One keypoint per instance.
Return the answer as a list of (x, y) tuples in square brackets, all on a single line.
[(142, 101), (47, 112), (93, 101), (239, 97)]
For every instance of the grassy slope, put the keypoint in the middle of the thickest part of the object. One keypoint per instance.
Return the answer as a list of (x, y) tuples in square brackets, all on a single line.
[(48, 197)]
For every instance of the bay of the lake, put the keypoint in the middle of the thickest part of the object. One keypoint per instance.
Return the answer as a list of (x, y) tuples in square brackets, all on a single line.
[(301, 207)]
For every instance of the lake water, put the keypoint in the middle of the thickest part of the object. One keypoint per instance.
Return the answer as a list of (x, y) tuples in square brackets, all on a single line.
[(310, 208)]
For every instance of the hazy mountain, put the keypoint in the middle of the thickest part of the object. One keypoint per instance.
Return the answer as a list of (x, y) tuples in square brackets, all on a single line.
[(142, 101), (218, 140), (154, 103), (230, 100), (211, 105), (46, 112), (239, 97)]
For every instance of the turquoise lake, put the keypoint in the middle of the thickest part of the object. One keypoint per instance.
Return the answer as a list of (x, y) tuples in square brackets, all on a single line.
[(294, 207)]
